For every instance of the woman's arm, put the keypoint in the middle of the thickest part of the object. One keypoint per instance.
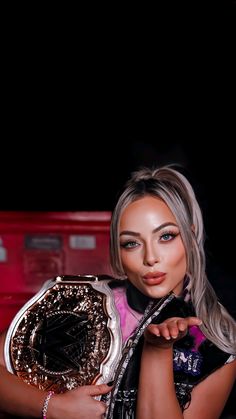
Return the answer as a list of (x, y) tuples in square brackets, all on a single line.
[(18, 398), (156, 393), (209, 397)]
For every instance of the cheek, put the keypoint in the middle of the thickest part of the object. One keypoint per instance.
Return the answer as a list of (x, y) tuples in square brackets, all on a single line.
[(177, 258), (181, 264), (129, 261)]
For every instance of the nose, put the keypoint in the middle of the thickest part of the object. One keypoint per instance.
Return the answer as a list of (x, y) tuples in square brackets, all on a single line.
[(151, 256)]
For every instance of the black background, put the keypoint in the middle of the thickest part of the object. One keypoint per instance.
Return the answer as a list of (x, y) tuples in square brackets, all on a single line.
[(87, 175), (82, 109), (84, 106)]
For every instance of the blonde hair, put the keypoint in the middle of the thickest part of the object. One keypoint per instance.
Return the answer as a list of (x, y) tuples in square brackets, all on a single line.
[(175, 190)]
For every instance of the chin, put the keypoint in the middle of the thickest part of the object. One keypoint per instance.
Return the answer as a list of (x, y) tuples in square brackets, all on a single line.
[(155, 293)]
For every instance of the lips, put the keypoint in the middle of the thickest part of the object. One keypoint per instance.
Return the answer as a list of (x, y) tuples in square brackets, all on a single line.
[(154, 278)]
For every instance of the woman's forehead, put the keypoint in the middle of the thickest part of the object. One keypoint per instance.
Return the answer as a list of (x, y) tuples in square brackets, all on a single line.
[(146, 210)]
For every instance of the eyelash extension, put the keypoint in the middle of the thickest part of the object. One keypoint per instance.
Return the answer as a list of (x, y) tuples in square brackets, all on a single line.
[(125, 245), (132, 243), (169, 233)]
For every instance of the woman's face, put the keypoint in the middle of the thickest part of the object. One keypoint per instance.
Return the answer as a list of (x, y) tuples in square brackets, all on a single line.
[(152, 251)]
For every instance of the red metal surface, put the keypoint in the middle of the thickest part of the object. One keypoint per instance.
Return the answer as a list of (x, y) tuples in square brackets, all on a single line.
[(36, 246)]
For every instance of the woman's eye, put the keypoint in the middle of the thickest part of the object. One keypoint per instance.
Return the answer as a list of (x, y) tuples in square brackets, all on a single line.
[(167, 237), (129, 245)]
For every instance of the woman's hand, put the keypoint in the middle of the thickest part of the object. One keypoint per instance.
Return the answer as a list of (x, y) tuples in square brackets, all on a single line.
[(163, 335), (79, 403)]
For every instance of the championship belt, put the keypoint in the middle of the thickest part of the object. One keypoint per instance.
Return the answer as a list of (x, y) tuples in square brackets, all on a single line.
[(67, 335)]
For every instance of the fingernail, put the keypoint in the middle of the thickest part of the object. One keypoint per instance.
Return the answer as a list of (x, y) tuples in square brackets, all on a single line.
[(110, 383)]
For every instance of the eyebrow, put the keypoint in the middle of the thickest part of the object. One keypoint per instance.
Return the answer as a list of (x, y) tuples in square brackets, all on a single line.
[(133, 233)]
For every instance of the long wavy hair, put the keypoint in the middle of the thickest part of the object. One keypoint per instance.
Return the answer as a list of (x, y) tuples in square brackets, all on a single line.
[(175, 190)]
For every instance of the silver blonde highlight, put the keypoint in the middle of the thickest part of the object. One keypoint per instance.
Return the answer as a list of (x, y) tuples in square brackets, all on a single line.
[(175, 190)]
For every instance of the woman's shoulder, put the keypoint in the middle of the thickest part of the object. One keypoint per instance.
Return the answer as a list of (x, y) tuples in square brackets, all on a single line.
[(205, 346)]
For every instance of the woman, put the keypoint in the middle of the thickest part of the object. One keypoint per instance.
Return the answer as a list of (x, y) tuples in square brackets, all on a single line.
[(157, 243), (179, 350)]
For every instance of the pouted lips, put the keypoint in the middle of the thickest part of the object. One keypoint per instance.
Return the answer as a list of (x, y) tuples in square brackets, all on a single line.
[(154, 278)]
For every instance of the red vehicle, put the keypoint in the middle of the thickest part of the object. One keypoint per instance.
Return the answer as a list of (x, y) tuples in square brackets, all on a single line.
[(36, 246)]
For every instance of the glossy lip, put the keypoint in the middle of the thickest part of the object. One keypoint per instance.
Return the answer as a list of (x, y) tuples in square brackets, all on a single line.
[(154, 278)]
